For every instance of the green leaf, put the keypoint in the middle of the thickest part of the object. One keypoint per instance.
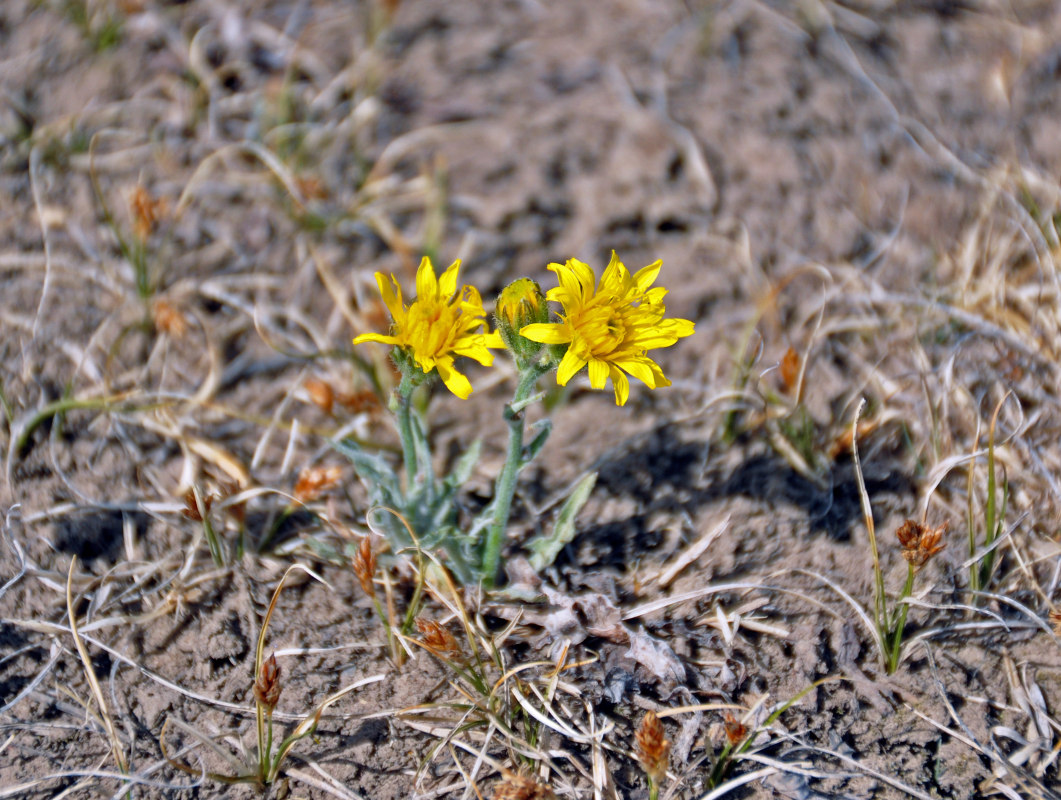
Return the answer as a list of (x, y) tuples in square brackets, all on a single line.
[(373, 470), (462, 470), (543, 428), (545, 549)]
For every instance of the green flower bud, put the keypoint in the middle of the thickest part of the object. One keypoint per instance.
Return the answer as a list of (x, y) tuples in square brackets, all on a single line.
[(520, 303)]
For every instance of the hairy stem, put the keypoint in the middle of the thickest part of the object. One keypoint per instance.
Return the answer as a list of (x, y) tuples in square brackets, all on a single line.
[(505, 488), (404, 413)]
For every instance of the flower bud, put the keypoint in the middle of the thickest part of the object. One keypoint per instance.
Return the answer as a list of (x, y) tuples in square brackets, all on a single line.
[(520, 303)]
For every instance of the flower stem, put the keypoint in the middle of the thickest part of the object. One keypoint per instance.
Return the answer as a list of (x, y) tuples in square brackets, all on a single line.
[(900, 623), (405, 428), (263, 748), (505, 487)]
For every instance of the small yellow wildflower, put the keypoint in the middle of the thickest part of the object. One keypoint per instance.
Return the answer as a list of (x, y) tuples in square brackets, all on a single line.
[(609, 327), (441, 323)]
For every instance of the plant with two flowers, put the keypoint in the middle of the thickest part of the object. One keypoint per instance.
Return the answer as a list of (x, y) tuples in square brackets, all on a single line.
[(606, 326)]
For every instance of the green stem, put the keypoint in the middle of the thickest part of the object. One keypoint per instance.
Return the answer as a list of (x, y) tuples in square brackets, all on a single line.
[(216, 549), (263, 750), (405, 429), (900, 623), (269, 749), (505, 488)]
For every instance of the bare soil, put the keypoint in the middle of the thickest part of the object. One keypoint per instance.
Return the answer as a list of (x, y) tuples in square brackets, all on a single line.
[(852, 200)]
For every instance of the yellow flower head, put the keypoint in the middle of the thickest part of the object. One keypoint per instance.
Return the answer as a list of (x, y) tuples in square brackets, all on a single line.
[(441, 323), (609, 326)]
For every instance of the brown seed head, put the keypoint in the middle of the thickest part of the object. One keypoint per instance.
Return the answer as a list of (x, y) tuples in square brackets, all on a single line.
[(653, 749), (191, 508), (311, 186), (146, 212), (364, 564), (919, 542), (168, 319), (267, 688), (789, 369), (437, 639), (320, 394), (315, 481), (735, 729), (514, 786)]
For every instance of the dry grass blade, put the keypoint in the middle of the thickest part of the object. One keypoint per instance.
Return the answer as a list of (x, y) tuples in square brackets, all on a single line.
[(326, 783), (90, 676), (1025, 782)]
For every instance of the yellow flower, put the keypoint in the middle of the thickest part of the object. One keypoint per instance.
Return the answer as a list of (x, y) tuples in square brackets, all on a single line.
[(609, 327), (441, 323)]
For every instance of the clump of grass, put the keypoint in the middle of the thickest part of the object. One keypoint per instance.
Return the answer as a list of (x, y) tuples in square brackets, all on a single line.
[(495, 706), (983, 549), (919, 544), (264, 766), (364, 565), (102, 28)]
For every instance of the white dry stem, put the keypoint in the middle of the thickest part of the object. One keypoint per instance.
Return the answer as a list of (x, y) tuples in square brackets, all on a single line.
[(90, 675)]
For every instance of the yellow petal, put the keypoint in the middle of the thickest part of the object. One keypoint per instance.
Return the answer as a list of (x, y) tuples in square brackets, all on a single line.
[(493, 339), (598, 373), (655, 296), (426, 283), (639, 369), (621, 386), (447, 284), (375, 337), (646, 276), (476, 349), (546, 333), (615, 277), (576, 282), (455, 381), (391, 293), (569, 365)]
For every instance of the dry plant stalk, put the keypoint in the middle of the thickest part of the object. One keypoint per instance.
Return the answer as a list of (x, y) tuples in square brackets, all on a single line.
[(514, 786), (653, 751)]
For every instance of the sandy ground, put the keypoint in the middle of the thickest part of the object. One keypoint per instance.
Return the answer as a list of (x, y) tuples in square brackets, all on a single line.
[(851, 200)]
